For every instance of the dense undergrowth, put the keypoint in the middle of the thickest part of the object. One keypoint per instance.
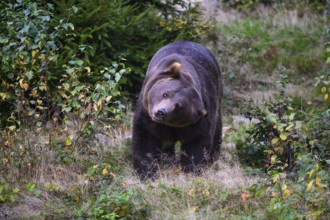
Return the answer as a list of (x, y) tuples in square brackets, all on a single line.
[(65, 128)]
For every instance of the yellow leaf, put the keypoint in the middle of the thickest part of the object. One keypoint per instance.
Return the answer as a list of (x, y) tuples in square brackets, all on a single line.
[(12, 128), (39, 101), (68, 142), (284, 187), (318, 181), (33, 53), (206, 193), (3, 96), (81, 96), (326, 96), (323, 89), (104, 172), (279, 149), (287, 193), (191, 192), (23, 85), (193, 209), (34, 93), (312, 142), (95, 107), (88, 69), (100, 103), (113, 175), (42, 56), (42, 88), (274, 195), (289, 127), (309, 186), (63, 95), (108, 98), (283, 136)]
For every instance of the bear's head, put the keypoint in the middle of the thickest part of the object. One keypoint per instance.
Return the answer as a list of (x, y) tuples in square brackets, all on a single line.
[(172, 99)]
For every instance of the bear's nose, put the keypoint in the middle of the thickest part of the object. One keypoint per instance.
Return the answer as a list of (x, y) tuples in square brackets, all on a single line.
[(161, 113)]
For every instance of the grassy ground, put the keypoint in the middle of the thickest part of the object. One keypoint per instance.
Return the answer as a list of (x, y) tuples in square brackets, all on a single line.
[(91, 175)]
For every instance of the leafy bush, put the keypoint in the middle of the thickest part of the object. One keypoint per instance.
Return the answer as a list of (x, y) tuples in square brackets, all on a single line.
[(118, 205), (42, 73), (292, 146)]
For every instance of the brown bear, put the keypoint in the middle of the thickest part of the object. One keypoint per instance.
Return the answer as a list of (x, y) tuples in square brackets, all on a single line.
[(180, 101)]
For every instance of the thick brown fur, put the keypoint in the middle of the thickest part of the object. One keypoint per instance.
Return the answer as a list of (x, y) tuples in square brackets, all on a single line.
[(180, 101)]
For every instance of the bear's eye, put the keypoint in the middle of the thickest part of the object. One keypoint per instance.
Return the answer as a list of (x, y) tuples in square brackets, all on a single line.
[(165, 95)]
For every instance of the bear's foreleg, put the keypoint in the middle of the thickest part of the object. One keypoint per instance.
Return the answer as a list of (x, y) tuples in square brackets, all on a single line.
[(145, 152), (195, 154)]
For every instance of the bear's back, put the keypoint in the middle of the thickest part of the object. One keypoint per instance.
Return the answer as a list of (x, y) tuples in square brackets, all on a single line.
[(195, 53)]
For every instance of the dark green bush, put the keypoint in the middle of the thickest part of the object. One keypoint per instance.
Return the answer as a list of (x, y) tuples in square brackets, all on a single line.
[(131, 31)]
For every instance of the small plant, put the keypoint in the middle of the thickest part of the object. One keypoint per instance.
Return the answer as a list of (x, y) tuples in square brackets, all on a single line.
[(7, 193), (118, 205)]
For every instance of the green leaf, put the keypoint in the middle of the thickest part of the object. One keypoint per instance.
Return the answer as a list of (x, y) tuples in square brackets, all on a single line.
[(91, 170), (69, 70), (12, 198), (45, 18), (291, 116), (117, 77), (29, 75), (74, 9), (31, 186), (275, 177), (298, 124), (289, 127), (76, 62), (12, 128), (273, 159), (274, 141), (3, 40), (11, 75), (67, 109), (328, 60), (115, 65)]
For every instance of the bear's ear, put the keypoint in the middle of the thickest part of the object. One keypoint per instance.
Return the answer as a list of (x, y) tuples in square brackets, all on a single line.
[(174, 70)]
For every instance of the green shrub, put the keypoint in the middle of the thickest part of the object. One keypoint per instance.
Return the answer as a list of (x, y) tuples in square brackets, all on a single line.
[(118, 205), (7, 192), (42, 73), (292, 147)]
